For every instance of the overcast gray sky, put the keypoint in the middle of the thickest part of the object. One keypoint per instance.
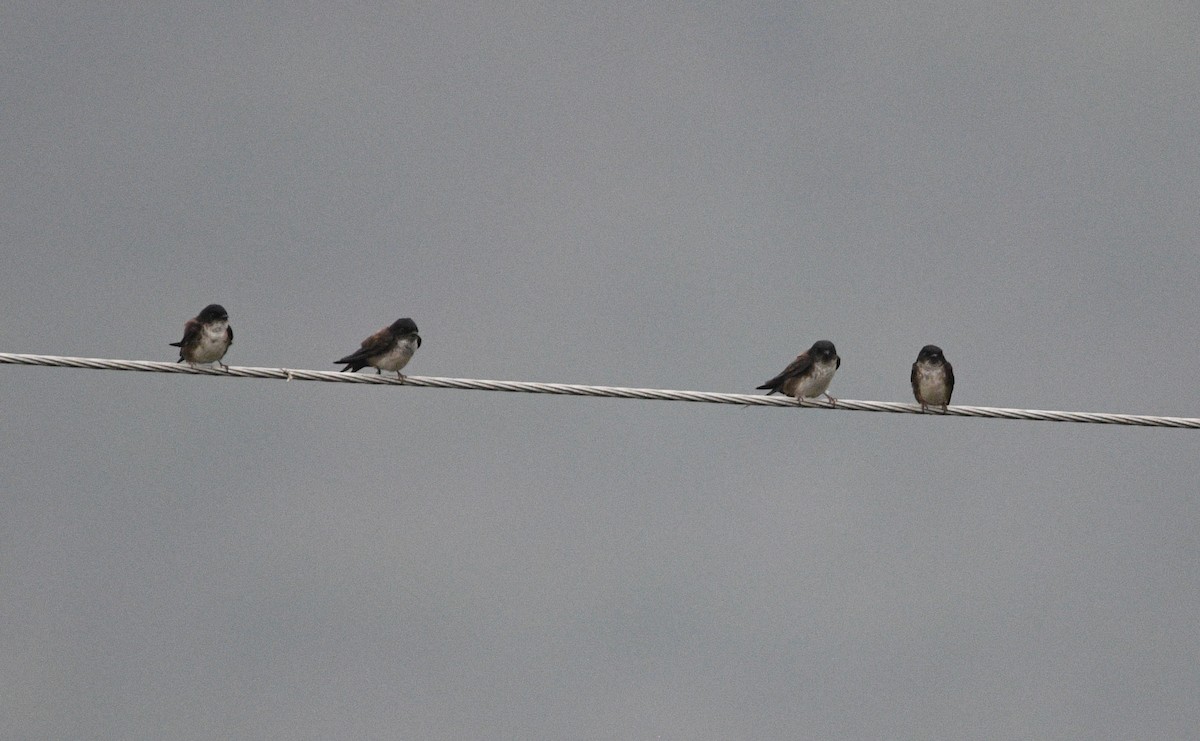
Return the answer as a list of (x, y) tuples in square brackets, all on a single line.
[(623, 194)]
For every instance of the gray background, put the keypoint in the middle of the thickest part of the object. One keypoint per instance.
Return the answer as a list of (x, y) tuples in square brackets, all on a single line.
[(616, 194)]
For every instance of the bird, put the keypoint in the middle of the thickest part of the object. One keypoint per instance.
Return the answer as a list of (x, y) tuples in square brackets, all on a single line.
[(809, 374), (206, 337), (388, 349), (932, 378)]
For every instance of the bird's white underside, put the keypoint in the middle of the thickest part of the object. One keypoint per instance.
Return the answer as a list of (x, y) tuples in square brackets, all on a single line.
[(816, 382), (397, 357), (931, 384), (212, 345)]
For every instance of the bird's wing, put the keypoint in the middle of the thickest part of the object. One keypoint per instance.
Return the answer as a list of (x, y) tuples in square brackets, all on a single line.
[(191, 330), (798, 366), (376, 344)]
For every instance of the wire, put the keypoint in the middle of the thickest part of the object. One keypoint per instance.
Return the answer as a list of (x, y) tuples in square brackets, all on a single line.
[(568, 389)]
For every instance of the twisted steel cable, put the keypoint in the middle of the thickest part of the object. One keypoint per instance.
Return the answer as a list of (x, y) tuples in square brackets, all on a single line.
[(570, 389)]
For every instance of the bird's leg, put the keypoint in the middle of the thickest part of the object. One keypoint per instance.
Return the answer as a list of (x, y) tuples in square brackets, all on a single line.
[(226, 367), (832, 401), (400, 376)]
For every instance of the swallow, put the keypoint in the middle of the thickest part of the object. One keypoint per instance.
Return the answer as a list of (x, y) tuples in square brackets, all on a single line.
[(809, 374), (206, 337), (932, 378), (388, 349)]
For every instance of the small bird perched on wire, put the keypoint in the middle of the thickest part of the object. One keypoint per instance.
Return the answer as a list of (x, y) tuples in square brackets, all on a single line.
[(932, 378), (388, 349), (809, 374), (206, 337)]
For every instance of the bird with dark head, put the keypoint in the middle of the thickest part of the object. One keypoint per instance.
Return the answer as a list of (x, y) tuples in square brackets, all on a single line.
[(206, 337), (388, 349), (932, 378), (808, 376)]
